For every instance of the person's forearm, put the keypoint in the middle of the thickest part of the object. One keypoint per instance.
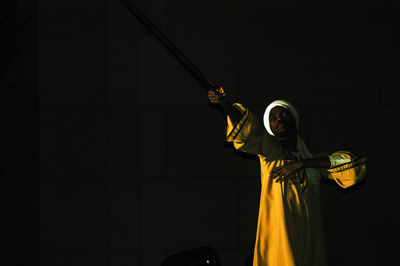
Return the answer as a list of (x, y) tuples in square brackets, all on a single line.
[(322, 162), (230, 110)]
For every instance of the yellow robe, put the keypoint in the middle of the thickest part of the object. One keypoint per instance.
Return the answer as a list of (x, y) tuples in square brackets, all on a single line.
[(289, 229)]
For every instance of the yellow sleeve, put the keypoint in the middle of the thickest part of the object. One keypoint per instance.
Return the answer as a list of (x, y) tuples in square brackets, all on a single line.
[(249, 136), (348, 174)]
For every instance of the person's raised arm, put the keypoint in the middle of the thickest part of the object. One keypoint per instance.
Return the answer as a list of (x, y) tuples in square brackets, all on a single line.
[(243, 128), (219, 97)]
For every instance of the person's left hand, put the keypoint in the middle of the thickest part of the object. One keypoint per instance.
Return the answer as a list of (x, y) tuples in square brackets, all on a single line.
[(282, 172)]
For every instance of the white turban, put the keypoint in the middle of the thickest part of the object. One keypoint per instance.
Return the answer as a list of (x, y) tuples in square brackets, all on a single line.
[(304, 153), (287, 106)]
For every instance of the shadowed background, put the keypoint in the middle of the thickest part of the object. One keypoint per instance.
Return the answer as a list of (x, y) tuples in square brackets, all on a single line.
[(133, 164)]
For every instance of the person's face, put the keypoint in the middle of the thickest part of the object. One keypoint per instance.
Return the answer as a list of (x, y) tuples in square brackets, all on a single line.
[(282, 122)]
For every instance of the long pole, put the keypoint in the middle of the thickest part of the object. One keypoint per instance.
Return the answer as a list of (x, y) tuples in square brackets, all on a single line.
[(168, 44)]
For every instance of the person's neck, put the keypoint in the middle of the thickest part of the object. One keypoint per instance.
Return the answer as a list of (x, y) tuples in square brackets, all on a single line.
[(289, 142)]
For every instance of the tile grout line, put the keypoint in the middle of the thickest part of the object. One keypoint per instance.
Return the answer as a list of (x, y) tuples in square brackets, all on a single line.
[(166, 110), (108, 128), (59, 36), (139, 192), (219, 177), (139, 179), (166, 145), (308, 14), (237, 79), (380, 180), (194, 106), (379, 71), (236, 93), (239, 198)]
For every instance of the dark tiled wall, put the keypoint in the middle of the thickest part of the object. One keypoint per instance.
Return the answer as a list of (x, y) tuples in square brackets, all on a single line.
[(133, 161), (19, 172)]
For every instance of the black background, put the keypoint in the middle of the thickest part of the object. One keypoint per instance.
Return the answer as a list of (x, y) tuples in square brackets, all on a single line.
[(112, 155)]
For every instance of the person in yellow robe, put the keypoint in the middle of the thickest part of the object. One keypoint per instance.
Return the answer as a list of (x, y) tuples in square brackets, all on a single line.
[(290, 228)]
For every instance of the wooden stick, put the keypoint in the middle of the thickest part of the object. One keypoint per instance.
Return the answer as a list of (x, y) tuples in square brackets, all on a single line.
[(168, 44)]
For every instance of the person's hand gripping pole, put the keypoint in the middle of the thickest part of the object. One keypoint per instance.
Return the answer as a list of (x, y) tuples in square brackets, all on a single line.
[(216, 95)]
